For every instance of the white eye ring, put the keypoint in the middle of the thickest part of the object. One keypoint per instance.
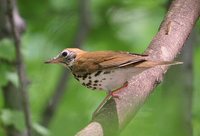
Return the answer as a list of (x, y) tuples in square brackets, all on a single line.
[(64, 53)]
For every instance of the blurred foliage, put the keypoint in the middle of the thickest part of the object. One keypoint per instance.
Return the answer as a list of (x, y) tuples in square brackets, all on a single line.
[(40, 129), (7, 56), (115, 25), (14, 118)]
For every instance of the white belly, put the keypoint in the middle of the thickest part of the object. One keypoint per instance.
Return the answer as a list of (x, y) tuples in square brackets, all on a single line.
[(109, 80)]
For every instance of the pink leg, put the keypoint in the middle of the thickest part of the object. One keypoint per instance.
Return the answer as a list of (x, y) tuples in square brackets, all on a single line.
[(108, 97), (114, 93)]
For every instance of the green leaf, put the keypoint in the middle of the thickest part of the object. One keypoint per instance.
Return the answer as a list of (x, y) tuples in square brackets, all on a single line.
[(6, 116), (12, 77), (6, 75), (18, 120), (3, 71), (7, 50), (40, 129), (13, 117)]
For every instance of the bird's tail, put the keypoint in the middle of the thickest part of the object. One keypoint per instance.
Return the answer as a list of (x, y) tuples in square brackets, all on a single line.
[(169, 63), (149, 63)]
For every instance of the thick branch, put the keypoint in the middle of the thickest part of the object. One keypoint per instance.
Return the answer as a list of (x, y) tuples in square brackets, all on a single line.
[(175, 29), (20, 65)]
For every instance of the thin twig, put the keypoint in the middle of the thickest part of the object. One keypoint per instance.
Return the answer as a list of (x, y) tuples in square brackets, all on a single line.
[(20, 67), (83, 29)]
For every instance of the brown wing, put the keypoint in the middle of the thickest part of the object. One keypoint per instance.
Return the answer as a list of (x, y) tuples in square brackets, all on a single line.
[(92, 61)]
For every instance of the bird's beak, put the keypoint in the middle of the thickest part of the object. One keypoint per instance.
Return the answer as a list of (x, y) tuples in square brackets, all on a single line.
[(56, 59)]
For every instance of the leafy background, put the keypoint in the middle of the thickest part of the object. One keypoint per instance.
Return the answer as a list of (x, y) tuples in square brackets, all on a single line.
[(115, 25)]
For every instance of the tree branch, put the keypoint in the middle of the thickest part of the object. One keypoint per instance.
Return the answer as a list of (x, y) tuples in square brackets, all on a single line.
[(83, 29), (20, 65), (5, 27), (117, 113)]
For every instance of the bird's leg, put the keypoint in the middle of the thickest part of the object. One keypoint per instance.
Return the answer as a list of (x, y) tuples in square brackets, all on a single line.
[(109, 95), (114, 93)]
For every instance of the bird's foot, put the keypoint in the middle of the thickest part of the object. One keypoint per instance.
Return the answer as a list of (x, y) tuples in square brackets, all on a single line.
[(114, 93), (111, 94)]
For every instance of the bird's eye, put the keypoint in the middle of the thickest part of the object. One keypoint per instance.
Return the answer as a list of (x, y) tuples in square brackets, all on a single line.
[(64, 54)]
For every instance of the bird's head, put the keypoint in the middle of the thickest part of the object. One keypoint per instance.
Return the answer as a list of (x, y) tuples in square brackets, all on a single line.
[(66, 57)]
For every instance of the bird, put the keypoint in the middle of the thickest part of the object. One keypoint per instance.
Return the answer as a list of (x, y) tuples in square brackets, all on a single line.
[(105, 70)]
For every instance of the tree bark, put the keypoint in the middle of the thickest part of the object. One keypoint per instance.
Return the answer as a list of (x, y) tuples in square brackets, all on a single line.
[(174, 30), (5, 27), (12, 98), (20, 66), (12, 26)]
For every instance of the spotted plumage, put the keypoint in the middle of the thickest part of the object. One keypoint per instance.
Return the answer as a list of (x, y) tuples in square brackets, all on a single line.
[(104, 70)]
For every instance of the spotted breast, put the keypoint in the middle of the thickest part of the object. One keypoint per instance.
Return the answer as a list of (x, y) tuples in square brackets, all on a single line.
[(109, 79)]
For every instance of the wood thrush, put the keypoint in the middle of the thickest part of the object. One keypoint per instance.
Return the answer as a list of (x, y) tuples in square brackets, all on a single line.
[(105, 70)]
